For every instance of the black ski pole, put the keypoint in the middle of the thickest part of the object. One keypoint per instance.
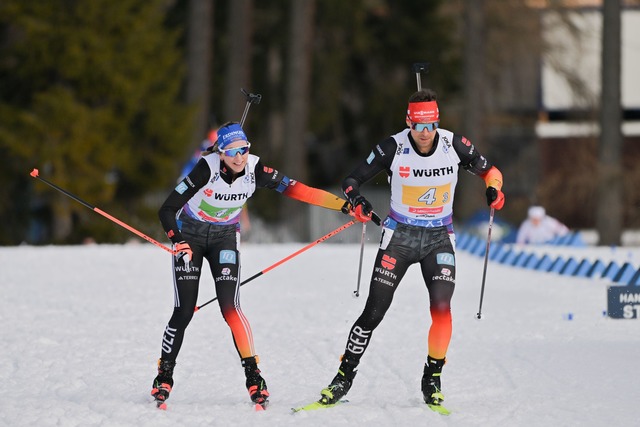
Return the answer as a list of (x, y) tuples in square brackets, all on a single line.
[(418, 68), (252, 98), (486, 260), (356, 293)]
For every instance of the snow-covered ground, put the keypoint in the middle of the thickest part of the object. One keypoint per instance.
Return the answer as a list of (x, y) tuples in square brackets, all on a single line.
[(82, 325)]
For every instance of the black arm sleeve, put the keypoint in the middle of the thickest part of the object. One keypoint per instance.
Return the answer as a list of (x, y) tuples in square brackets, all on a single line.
[(470, 158), (378, 160), (270, 178), (180, 195)]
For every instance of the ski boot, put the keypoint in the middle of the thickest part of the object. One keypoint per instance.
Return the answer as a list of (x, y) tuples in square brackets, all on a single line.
[(256, 385), (340, 384), (163, 383), (431, 387)]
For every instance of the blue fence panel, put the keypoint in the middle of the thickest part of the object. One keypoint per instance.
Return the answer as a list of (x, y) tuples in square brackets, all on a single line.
[(583, 268), (576, 240), (519, 259), (531, 261), (557, 265), (480, 249), (496, 252), (611, 270), (569, 267), (462, 239), (624, 274), (474, 245), (544, 264), (596, 269), (635, 279), (508, 257)]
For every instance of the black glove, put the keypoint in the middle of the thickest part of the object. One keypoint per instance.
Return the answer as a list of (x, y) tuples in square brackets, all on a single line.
[(495, 198), (366, 207)]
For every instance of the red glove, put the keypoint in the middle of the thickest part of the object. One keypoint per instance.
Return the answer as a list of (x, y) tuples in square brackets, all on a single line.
[(182, 251), (495, 198)]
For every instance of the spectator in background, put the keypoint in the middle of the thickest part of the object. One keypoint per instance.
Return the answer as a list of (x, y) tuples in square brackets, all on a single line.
[(539, 227)]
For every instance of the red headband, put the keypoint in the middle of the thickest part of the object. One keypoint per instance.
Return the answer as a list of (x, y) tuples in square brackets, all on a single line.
[(423, 112)]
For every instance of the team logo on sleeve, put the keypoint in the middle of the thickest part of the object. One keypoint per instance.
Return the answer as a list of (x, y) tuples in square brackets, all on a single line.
[(181, 188), (370, 158)]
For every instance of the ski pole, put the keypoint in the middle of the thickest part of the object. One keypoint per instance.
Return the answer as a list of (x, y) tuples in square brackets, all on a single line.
[(283, 260), (356, 293), (34, 173), (418, 68), (252, 98), (486, 260)]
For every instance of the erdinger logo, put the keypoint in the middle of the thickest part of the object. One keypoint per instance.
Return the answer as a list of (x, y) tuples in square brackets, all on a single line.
[(404, 171), (388, 262)]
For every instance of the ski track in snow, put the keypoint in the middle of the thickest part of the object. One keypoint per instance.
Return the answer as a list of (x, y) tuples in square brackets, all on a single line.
[(82, 325)]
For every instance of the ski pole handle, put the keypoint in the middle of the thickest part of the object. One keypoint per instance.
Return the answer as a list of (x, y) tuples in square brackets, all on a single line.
[(418, 68)]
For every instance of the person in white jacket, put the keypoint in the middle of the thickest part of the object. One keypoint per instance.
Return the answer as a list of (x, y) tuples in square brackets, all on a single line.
[(539, 227)]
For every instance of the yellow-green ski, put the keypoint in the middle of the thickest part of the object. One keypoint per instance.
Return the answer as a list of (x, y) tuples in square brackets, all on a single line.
[(439, 409), (317, 405)]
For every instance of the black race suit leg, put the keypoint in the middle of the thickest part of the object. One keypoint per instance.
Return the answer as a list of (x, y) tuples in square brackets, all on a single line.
[(439, 273), (185, 287), (390, 266), (224, 260)]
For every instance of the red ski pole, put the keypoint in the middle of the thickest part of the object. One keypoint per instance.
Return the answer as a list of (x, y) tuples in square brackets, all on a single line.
[(285, 259), (34, 173)]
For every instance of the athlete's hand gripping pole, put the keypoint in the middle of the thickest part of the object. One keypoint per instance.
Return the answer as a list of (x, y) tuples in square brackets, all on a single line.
[(486, 260), (361, 209), (34, 173), (283, 260)]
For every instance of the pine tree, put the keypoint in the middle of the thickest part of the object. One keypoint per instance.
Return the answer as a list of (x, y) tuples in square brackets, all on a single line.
[(89, 93)]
